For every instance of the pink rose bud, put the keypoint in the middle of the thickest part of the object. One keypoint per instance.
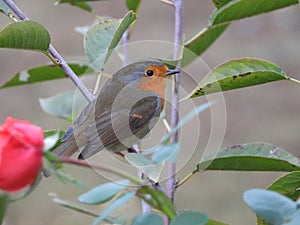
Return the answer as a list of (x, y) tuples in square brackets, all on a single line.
[(21, 152)]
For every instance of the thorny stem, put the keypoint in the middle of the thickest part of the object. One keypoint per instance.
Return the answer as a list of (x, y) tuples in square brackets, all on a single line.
[(171, 182), (58, 58)]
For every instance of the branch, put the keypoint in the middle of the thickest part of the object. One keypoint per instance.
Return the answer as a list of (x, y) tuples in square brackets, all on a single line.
[(57, 57), (171, 182)]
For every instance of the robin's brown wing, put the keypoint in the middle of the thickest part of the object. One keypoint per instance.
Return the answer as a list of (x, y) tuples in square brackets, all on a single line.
[(128, 127), (144, 115), (86, 117)]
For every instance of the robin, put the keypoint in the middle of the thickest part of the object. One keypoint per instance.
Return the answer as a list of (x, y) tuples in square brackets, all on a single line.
[(123, 113)]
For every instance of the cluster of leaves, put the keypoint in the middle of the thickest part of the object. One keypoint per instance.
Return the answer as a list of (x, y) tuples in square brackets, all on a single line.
[(103, 37)]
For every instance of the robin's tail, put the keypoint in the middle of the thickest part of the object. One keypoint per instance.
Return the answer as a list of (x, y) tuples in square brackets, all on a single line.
[(67, 148)]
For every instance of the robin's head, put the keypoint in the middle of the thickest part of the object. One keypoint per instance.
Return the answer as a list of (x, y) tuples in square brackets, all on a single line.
[(147, 76), (143, 71)]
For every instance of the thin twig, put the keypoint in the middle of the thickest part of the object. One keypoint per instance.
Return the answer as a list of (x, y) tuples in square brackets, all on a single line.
[(61, 62), (167, 2), (186, 178), (294, 80), (165, 121)]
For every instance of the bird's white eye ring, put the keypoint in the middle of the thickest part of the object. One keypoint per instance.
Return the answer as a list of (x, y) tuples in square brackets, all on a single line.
[(149, 73)]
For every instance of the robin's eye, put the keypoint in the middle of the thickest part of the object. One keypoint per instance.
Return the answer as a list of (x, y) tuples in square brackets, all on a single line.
[(149, 73)]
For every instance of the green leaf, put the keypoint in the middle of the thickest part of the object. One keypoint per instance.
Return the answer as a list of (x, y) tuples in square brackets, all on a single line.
[(251, 157), (4, 201), (166, 153), (157, 200), (120, 201), (27, 35), (48, 133), (63, 105), (4, 9), (288, 185), (170, 63), (270, 206), (199, 42), (239, 9), (103, 193), (84, 29), (133, 5), (148, 218), (239, 73), (189, 218), (44, 73), (83, 5), (220, 3), (150, 169), (102, 38)]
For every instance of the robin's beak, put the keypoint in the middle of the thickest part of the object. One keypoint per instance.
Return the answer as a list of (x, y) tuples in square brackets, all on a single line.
[(171, 72)]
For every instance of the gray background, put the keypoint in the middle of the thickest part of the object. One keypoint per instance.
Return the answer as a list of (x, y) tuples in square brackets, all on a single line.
[(264, 113)]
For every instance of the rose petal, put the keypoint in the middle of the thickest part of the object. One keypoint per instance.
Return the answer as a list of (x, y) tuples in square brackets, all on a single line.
[(21, 154), (24, 130), (19, 166), (4, 139)]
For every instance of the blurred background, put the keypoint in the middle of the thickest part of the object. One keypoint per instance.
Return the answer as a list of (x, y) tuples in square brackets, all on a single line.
[(266, 113)]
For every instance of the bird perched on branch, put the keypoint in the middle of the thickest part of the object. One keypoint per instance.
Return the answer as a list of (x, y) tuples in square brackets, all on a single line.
[(122, 114)]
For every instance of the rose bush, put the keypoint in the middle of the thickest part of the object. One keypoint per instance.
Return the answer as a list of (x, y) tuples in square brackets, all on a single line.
[(21, 152)]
